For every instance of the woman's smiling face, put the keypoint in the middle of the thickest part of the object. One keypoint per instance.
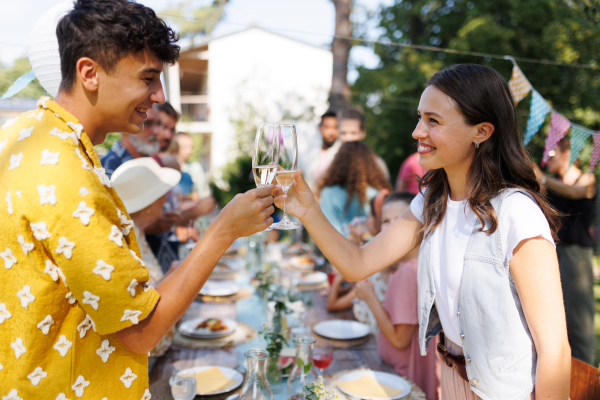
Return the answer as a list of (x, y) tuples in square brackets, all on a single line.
[(445, 139)]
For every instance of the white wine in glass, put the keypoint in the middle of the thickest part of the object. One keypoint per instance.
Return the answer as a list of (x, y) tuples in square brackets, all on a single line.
[(286, 170), (265, 156)]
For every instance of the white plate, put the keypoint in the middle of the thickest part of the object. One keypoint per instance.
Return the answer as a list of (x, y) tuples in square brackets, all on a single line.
[(341, 329), (382, 377), (313, 278), (219, 288), (228, 372), (187, 328)]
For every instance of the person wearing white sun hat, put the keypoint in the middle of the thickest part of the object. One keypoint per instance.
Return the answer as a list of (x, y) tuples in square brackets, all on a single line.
[(143, 186)]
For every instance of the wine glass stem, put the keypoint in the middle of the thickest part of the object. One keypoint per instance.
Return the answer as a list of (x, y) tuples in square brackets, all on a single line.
[(285, 217)]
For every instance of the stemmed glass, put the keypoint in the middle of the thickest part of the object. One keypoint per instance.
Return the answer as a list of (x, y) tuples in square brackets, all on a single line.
[(323, 357), (286, 171), (265, 156)]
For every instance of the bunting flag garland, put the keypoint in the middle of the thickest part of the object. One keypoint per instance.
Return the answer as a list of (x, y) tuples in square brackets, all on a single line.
[(595, 151), (558, 128), (537, 114), (518, 84), (578, 137)]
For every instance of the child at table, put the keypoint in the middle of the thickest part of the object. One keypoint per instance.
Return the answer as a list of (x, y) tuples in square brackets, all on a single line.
[(397, 318)]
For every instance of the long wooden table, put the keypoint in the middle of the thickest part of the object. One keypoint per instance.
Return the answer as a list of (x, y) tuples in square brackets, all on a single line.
[(251, 312)]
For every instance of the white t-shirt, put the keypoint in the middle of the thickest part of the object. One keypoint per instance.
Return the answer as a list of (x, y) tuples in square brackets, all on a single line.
[(520, 219)]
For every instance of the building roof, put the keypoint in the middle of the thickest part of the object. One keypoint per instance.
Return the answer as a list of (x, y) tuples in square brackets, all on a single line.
[(206, 42)]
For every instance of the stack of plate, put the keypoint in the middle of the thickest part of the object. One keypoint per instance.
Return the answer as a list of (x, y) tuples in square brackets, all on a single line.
[(341, 329), (219, 288)]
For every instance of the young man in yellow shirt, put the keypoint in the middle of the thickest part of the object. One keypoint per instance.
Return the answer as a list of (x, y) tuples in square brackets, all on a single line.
[(76, 315)]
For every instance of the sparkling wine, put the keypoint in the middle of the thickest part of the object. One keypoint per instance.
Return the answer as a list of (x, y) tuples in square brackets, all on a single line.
[(322, 361), (285, 178), (263, 174)]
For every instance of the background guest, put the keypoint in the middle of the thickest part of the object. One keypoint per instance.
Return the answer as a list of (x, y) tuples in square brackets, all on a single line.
[(329, 148), (352, 129), (143, 186), (168, 120), (409, 175), (350, 182), (574, 194)]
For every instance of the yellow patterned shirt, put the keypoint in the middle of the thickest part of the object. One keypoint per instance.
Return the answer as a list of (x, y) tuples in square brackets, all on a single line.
[(71, 274)]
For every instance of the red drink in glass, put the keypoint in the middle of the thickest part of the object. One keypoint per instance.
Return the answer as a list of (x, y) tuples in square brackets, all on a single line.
[(322, 361)]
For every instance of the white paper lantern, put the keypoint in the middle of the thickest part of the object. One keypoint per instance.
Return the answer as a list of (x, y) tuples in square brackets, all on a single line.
[(43, 47)]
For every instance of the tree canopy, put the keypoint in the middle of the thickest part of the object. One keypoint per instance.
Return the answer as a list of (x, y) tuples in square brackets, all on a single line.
[(8, 76), (565, 31)]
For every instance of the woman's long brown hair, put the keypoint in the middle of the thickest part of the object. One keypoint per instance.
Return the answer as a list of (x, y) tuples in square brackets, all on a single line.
[(482, 95), (354, 168)]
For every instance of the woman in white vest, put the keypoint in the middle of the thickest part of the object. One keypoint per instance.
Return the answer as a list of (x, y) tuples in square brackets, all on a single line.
[(488, 272)]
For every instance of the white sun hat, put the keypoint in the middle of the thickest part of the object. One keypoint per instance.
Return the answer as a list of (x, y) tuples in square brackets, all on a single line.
[(140, 182)]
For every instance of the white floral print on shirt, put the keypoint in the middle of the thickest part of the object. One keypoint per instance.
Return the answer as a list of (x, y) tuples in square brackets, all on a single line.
[(45, 324), (9, 258), (63, 135), (131, 288), (116, 235), (25, 296), (70, 298), (9, 202), (78, 128), (102, 176), (85, 326), (49, 158), (65, 247), (37, 116), (54, 272), (137, 258), (10, 122), (26, 246), (15, 161), (12, 395), (91, 299), (126, 223), (105, 350), (103, 269), (131, 315), (47, 194), (18, 347), (40, 230), (84, 213), (84, 163), (4, 314), (128, 377), (3, 145), (83, 191), (63, 345), (42, 102), (25, 133), (79, 385), (37, 375), (61, 396), (147, 395)]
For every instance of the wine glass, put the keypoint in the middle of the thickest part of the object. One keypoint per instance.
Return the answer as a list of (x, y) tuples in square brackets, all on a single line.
[(183, 387), (286, 170), (323, 357), (265, 156)]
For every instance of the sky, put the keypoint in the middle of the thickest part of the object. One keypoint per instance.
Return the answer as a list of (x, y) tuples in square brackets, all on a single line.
[(313, 17)]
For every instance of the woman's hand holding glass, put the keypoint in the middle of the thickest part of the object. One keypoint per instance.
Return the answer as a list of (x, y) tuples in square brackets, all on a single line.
[(299, 199)]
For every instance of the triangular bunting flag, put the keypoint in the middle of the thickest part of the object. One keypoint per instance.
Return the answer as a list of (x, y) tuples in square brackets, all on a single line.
[(518, 84), (595, 151), (537, 113), (559, 126), (578, 138)]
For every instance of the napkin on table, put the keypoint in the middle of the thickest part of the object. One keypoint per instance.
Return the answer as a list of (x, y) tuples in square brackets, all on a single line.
[(212, 380)]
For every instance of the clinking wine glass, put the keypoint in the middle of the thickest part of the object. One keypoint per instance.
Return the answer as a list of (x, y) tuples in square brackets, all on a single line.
[(286, 171), (265, 156)]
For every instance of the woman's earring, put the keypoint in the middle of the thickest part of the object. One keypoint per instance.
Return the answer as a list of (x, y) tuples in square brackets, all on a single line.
[(477, 144)]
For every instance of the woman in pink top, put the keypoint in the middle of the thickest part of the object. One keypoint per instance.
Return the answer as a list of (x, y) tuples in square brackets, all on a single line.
[(409, 175), (397, 318)]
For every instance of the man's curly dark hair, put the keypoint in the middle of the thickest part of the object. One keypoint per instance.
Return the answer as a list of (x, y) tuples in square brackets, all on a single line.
[(108, 30)]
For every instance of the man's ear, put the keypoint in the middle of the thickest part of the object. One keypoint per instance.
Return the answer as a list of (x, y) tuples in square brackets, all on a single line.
[(88, 73), (484, 131)]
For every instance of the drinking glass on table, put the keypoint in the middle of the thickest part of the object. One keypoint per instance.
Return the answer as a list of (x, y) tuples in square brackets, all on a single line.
[(173, 204), (286, 171), (265, 155), (183, 387), (323, 357)]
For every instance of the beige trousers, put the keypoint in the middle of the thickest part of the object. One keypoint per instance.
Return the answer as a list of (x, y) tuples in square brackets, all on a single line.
[(456, 388)]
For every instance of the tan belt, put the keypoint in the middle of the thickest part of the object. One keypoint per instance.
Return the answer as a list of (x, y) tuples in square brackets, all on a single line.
[(453, 361)]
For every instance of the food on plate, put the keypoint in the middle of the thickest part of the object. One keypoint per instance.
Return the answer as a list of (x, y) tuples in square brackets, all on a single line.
[(214, 324), (303, 260)]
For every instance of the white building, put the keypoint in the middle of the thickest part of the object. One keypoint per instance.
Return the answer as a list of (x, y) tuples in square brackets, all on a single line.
[(275, 76)]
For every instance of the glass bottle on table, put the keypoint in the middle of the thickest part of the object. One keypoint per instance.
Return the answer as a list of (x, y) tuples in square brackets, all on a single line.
[(256, 386), (286, 171), (265, 156), (304, 371)]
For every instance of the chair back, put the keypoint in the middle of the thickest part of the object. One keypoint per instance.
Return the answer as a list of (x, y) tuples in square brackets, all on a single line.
[(585, 384)]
